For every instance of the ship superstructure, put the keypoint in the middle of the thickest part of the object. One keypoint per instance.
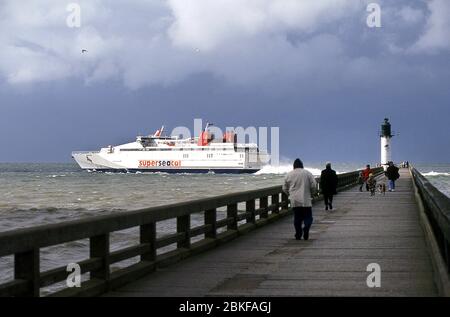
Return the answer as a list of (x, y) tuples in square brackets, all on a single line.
[(171, 154)]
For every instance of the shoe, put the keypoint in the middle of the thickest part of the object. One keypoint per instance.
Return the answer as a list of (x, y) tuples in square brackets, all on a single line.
[(331, 207), (326, 207), (306, 235)]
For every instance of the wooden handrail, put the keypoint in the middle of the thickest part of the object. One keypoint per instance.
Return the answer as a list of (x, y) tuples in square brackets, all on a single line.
[(437, 209), (25, 244)]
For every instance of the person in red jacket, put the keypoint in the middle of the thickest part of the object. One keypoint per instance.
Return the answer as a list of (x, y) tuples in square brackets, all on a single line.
[(365, 175)]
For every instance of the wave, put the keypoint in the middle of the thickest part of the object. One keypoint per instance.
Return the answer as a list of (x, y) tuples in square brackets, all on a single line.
[(433, 173), (284, 169)]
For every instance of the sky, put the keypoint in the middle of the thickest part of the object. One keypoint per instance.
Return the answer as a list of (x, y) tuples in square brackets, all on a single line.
[(313, 68)]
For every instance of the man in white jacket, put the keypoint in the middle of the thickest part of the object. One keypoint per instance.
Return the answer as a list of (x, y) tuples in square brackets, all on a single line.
[(300, 185)]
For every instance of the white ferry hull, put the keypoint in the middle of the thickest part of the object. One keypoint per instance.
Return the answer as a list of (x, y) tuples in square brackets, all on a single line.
[(167, 163), (157, 153)]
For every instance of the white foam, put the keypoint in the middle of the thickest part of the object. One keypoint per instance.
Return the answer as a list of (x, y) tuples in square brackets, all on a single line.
[(284, 169), (433, 173)]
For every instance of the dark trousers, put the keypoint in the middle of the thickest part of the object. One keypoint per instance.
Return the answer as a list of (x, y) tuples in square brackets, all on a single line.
[(391, 184), (302, 215), (328, 198), (362, 184)]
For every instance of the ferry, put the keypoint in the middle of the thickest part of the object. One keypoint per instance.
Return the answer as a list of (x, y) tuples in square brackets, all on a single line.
[(172, 154)]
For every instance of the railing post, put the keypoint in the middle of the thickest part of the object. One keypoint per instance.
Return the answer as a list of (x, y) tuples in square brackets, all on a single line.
[(148, 235), (211, 219), (250, 207), (275, 202), (26, 267), (184, 226), (263, 203), (232, 213), (99, 248)]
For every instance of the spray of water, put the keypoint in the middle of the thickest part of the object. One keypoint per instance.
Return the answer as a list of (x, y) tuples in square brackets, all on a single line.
[(433, 173), (283, 169)]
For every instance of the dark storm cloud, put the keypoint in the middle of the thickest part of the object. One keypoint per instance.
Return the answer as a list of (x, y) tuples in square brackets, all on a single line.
[(313, 68)]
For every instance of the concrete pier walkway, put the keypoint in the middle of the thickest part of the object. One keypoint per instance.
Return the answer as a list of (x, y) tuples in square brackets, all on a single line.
[(270, 262)]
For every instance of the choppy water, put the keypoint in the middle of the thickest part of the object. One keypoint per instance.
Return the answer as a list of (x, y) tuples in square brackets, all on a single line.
[(438, 175), (34, 194)]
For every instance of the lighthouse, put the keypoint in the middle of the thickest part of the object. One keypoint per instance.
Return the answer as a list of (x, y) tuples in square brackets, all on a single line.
[(385, 138)]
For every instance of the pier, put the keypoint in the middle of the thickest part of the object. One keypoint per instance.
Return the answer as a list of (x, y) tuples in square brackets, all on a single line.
[(246, 247)]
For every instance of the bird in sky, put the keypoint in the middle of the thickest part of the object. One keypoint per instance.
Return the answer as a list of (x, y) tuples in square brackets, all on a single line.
[(83, 51)]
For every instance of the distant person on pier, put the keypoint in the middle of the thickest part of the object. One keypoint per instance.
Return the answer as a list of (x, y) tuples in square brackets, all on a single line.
[(372, 183), (328, 185), (392, 175), (300, 185), (365, 174), (361, 181)]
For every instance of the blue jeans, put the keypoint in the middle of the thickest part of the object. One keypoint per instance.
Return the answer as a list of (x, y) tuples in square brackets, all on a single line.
[(391, 184), (302, 215)]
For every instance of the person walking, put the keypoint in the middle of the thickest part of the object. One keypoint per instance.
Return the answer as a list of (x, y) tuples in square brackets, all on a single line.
[(360, 181), (365, 173), (328, 185), (392, 175), (300, 185)]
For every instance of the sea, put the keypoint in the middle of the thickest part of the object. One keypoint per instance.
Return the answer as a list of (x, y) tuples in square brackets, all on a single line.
[(34, 194)]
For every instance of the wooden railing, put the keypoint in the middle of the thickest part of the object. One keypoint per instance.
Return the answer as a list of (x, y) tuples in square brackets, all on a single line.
[(437, 209), (25, 244)]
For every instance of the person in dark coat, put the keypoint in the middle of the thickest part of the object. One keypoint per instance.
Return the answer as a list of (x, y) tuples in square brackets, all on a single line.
[(328, 185), (392, 175)]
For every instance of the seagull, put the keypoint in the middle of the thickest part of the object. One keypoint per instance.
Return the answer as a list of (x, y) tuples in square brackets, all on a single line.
[(83, 51)]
